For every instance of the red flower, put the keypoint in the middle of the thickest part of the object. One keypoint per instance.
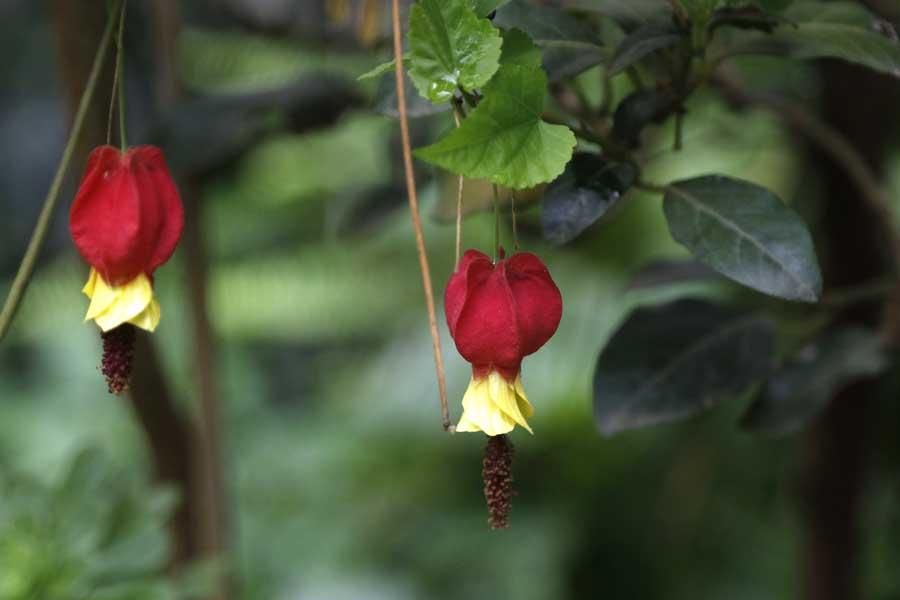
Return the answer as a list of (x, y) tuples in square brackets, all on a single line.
[(126, 220), (127, 216), (498, 314)]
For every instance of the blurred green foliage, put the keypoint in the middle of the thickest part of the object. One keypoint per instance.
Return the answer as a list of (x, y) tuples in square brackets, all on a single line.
[(340, 482)]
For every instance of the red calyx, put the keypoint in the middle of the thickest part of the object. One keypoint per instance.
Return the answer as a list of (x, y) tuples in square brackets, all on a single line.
[(127, 216), (500, 313)]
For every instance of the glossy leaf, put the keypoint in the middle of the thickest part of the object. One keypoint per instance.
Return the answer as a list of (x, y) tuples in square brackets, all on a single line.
[(643, 41), (803, 387), (587, 190), (504, 139), (672, 361), (450, 47), (746, 233), (638, 110)]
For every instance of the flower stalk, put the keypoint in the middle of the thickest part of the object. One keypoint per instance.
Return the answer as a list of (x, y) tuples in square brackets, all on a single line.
[(26, 267)]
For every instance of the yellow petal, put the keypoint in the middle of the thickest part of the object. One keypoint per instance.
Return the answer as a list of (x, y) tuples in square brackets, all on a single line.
[(130, 303), (494, 405), (149, 318)]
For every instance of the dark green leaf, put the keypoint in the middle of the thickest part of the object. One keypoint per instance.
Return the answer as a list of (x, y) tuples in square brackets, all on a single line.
[(841, 30), (638, 110), (745, 17), (518, 49), (673, 361), (669, 272), (628, 13), (803, 387), (569, 45), (504, 139), (643, 41), (586, 190), (450, 47), (484, 8), (744, 232), (545, 24)]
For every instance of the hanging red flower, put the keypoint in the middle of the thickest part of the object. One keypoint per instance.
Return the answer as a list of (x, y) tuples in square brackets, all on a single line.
[(498, 314), (126, 220)]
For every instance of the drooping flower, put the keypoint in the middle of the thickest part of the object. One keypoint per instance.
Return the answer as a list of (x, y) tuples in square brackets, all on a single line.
[(498, 314), (126, 221)]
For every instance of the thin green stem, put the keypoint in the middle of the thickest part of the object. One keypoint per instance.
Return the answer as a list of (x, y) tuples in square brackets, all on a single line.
[(512, 204), (496, 223), (26, 268), (120, 72)]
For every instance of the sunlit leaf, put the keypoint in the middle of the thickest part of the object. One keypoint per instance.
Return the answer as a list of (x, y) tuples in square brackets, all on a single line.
[(746, 233), (504, 139), (518, 49), (450, 47)]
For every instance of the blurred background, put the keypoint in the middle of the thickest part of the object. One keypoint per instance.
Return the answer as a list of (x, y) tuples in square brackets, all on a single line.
[(294, 331)]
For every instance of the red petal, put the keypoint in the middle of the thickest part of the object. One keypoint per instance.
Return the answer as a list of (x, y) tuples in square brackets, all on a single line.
[(127, 217), (486, 330), (458, 287), (498, 314), (538, 301), (158, 190)]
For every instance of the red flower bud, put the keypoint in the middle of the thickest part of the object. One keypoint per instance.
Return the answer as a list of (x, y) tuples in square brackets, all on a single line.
[(498, 314), (127, 216)]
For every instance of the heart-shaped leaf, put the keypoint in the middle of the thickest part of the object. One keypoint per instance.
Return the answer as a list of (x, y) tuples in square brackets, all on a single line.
[(504, 139), (746, 233), (676, 360)]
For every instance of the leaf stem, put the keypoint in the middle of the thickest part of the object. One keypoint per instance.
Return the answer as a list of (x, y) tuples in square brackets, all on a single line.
[(416, 219), (26, 267), (496, 222), (458, 115)]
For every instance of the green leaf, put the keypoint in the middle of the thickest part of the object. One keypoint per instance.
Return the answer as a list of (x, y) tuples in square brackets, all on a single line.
[(628, 13), (570, 46), (585, 192), (676, 360), (518, 49), (379, 70), (545, 23), (504, 139), (638, 110), (803, 387), (450, 47), (483, 8), (843, 31), (745, 17), (746, 233), (700, 10), (643, 41)]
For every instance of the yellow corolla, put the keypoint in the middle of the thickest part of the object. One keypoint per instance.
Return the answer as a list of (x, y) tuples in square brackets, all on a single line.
[(495, 405), (112, 306)]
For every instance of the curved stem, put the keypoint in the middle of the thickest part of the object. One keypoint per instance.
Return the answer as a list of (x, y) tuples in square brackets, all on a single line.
[(416, 219), (26, 268)]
